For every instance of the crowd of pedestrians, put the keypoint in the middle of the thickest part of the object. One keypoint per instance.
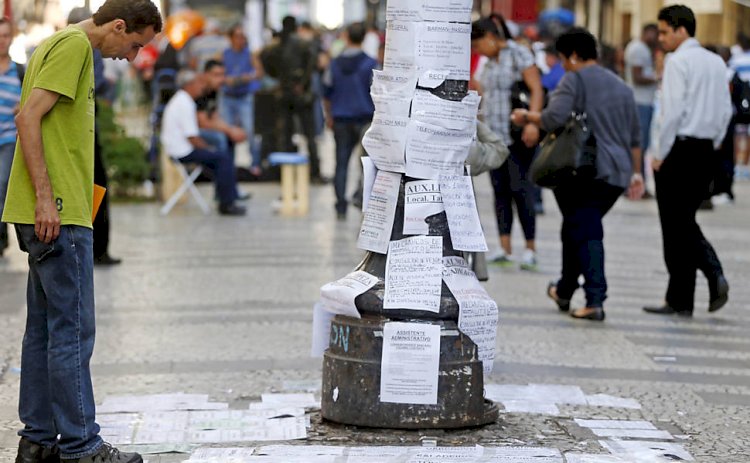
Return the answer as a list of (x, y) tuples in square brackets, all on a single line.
[(691, 123)]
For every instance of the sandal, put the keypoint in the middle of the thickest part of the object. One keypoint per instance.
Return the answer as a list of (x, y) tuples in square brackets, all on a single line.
[(562, 304)]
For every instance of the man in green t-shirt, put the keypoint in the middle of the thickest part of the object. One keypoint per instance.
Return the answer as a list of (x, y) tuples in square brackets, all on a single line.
[(50, 201)]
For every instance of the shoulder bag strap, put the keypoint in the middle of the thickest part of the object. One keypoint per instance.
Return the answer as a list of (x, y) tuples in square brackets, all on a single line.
[(580, 94)]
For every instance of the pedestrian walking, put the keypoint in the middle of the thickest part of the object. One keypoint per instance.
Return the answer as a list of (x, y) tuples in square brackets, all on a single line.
[(740, 66), (11, 74), (348, 104), (50, 198), (641, 76), (510, 71), (695, 113), (584, 200)]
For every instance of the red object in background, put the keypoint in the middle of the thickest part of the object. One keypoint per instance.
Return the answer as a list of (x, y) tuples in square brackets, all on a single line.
[(519, 11), (475, 57), (8, 11)]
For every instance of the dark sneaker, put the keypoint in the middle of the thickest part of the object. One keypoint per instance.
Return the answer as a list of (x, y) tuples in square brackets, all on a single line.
[(29, 452), (108, 454)]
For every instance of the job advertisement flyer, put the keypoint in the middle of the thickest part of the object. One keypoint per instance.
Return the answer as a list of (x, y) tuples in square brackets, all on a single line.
[(461, 210), (392, 105), (377, 224), (430, 10), (432, 151), (478, 313), (393, 84), (338, 297), (410, 363), (412, 47), (385, 141), (413, 274), (454, 115), (422, 199)]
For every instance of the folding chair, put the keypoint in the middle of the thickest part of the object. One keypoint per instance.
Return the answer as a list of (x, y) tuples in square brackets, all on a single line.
[(188, 184)]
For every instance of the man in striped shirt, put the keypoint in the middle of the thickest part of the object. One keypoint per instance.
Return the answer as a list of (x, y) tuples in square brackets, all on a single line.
[(10, 95)]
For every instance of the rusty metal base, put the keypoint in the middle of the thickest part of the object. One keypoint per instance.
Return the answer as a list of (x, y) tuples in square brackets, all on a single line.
[(351, 381)]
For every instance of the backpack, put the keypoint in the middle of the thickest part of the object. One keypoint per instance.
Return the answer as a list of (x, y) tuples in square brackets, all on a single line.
[(741, 99)]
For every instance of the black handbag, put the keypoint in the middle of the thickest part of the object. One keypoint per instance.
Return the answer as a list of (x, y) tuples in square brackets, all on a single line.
[(520, 98), (568, 152)]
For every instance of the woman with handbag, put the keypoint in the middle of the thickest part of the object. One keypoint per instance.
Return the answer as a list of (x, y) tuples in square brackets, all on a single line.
[(509, 78), (608, 162)]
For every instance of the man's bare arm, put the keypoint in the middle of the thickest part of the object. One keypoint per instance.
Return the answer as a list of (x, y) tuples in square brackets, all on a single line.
[(29, 125)]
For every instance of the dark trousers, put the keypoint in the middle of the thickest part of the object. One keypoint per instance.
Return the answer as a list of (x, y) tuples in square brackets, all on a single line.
[(724, 179), (101, 222), (583, 204), (348, 134), (511, 184), (290, 107), (222, 165), (681, 185)]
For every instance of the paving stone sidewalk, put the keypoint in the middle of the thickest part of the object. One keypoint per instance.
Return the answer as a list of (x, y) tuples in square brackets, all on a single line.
[(223, 306)]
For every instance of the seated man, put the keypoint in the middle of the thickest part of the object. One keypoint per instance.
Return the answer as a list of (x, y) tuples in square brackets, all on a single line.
[(181, 139)]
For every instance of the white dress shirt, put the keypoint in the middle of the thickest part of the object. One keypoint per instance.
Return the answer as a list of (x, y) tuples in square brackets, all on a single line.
[(178, 124), (695, 100)]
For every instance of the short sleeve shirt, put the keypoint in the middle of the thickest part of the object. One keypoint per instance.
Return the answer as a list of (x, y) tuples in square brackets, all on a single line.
[(497, 78), (637, 54), (62, 64), (179, 123)]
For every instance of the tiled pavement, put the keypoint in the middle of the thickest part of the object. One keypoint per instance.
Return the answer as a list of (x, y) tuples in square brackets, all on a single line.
[(223, 306)]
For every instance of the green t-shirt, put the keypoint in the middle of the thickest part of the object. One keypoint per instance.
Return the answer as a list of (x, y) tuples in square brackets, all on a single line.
[(62, 64)]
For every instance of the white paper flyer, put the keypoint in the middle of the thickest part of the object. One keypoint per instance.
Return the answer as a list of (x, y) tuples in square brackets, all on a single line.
[(413, 274), (410, 363), (461, 209), (422, 199), (377, 224), (478, 314)]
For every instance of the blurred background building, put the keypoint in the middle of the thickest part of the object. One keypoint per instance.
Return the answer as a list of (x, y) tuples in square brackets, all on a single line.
[(614, 21)]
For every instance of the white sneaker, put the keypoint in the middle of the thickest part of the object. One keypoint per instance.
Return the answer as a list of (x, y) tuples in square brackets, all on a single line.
[(721, 200), (501, 259), (528, 260)]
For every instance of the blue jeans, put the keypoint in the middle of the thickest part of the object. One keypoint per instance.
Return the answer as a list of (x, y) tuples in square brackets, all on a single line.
[(222, 165), (240, 112), (347, 135), (583, 204), (645, 115), (217, 140), (6, 160), (56, 395)]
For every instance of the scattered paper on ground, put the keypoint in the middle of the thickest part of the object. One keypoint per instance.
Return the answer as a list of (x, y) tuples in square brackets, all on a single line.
[(304, 400), (544, 398), (646, 451), (142, 403)]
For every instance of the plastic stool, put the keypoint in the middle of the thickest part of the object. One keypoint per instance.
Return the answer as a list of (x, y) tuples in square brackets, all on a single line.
[(295, 182)]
